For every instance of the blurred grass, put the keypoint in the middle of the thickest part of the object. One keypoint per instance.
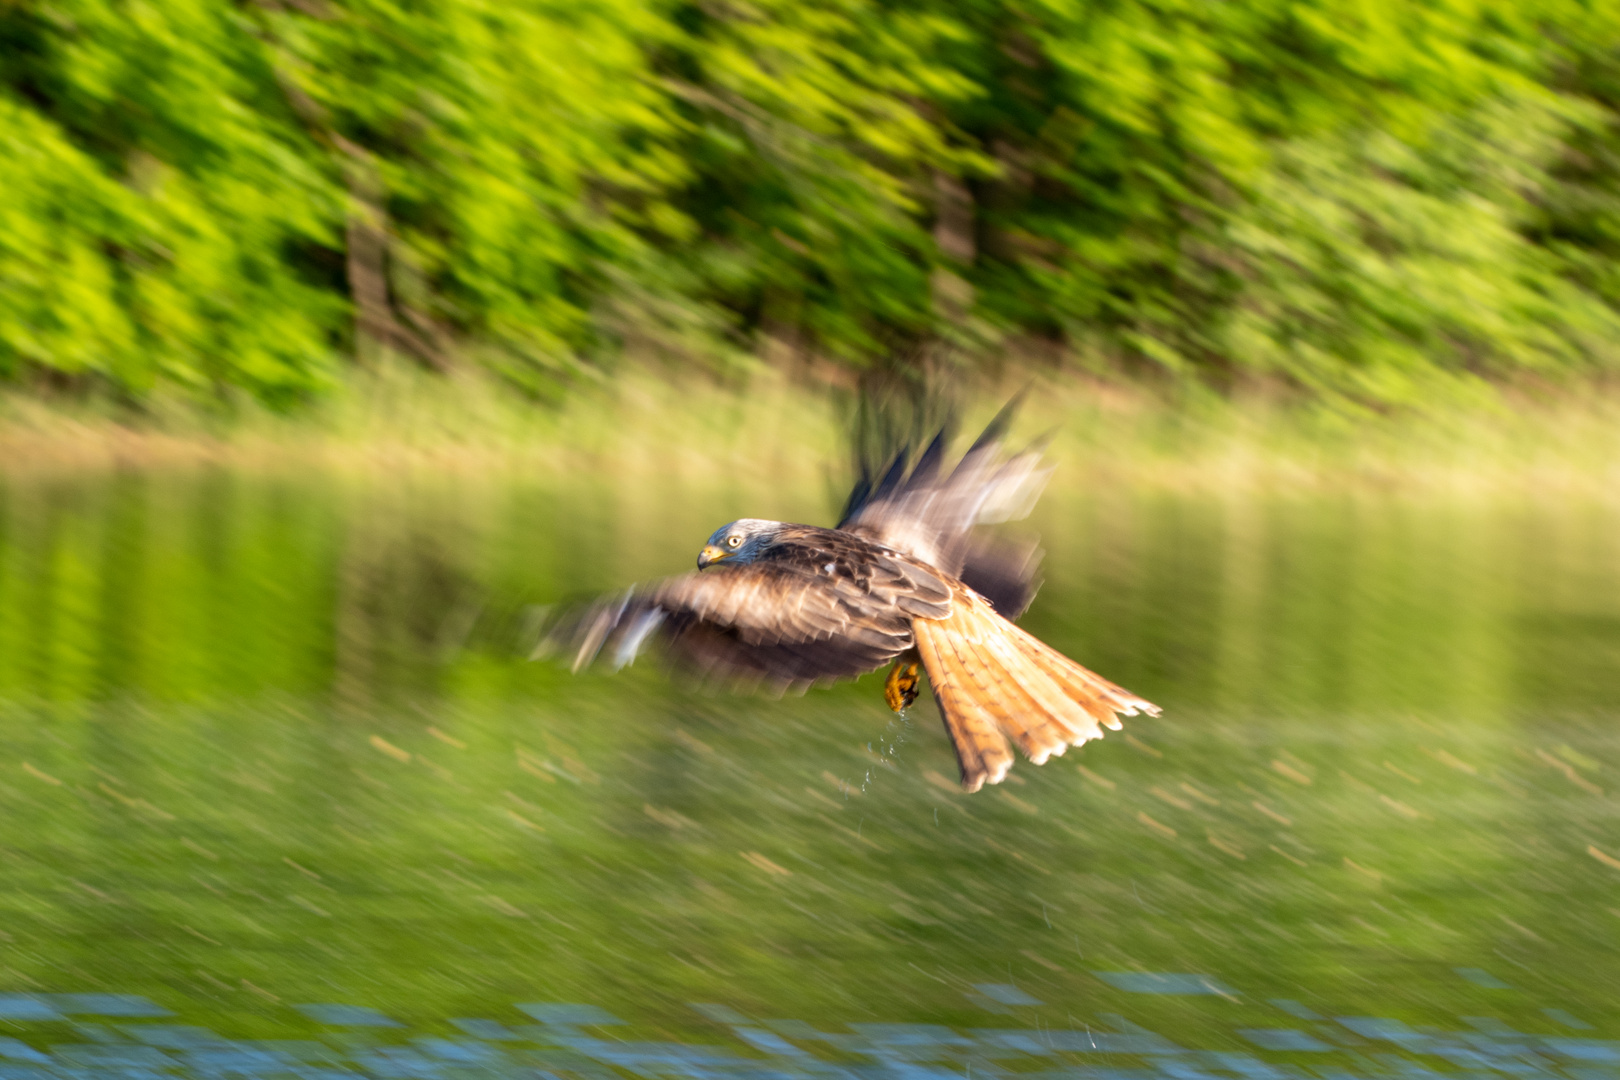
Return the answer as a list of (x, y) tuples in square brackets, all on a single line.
[(775, 432)]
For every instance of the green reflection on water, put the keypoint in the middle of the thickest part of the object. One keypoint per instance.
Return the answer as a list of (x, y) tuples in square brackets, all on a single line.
[(269, 738)]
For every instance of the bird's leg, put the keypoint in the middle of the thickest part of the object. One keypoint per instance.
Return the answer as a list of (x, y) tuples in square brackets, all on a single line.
[(900, 689)]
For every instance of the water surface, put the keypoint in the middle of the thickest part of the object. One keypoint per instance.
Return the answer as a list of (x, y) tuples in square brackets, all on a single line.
[(268, 744)]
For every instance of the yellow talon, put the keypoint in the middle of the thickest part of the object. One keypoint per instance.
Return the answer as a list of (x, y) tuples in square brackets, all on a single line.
[(900, 689)]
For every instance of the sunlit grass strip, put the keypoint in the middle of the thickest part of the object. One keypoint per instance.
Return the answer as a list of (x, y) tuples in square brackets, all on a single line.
[(778, 433)]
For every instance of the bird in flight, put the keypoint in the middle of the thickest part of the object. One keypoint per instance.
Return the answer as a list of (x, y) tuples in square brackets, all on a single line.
[(907, 577)]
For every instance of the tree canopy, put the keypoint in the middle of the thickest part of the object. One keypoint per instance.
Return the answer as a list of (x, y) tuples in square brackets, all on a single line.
[(1361, 198)]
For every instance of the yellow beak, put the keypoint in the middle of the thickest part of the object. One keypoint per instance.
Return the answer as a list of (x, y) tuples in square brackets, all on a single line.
[(711, 554)]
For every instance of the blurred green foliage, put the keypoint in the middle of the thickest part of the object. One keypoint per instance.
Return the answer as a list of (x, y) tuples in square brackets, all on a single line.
[(1359, 198)]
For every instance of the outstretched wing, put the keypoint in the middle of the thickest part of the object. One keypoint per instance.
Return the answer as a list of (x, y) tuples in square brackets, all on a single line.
[(820, 606), (934, 516)]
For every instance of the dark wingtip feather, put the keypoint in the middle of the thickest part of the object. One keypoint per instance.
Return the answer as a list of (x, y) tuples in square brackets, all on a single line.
[(895, 475), (866, 492), (998, 427), (928, 465), (858, 496), (875, 483)]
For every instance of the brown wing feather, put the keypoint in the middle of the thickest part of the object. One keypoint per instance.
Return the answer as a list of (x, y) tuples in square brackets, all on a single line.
[(981, 751), (1023, 701), (1011, 702), (1052, 721), (820, 605), (990, 677), (1099, 697)]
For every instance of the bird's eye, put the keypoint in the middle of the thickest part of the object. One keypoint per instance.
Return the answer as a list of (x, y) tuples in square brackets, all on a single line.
[(735, 541)]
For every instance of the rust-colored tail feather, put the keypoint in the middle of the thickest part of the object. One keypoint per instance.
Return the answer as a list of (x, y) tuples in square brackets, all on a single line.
[(989, 678)]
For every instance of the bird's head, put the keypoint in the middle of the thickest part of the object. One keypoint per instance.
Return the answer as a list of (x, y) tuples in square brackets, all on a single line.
[(741, 541)]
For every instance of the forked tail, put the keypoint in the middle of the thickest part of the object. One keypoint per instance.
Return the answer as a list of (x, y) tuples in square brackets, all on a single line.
[(993, 681)]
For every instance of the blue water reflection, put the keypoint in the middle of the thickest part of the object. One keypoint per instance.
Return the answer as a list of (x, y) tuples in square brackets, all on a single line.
[(567, 1043)]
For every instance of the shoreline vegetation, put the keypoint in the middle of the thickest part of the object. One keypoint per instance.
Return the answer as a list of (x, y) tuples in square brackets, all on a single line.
[(1377, 204), (777, 430)]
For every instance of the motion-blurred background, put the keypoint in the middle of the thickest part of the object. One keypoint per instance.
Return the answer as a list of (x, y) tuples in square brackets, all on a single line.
[(340, 339), (1364, 199)]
